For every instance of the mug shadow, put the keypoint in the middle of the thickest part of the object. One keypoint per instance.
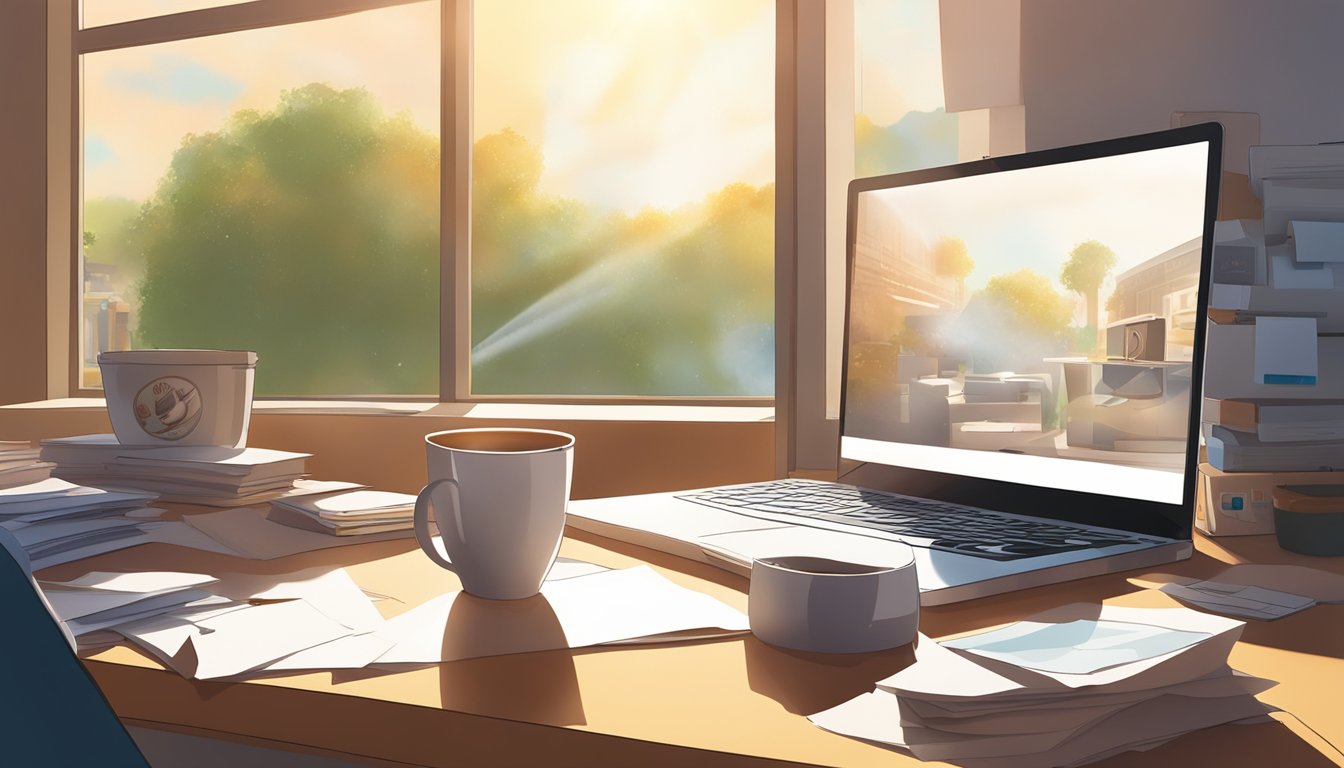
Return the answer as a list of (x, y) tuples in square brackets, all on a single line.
[(805, 683), (516, 680)]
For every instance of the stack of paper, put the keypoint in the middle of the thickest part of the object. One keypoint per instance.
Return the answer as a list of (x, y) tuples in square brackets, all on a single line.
[(82, 454), (57, 521), (1065, 688), (19, 464), (197, 475), (346, 514), (99, 600)]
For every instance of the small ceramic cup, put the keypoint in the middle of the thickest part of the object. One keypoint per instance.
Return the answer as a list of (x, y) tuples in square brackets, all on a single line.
[(816, 604)]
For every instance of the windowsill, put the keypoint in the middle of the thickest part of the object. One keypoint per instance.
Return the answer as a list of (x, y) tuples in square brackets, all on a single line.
[(628, 412), (623, 448)]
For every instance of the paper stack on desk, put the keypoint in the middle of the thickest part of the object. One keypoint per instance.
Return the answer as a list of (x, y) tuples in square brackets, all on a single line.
[(1067, 687), (19, 464), (57, 521), (353, 513), (221, 477)]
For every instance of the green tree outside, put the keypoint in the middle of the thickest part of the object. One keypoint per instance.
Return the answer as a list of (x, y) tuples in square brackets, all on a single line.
[(310, 234)]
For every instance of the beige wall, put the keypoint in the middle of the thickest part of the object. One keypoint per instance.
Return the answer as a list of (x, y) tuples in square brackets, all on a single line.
[(23, 198), (1103, 68)]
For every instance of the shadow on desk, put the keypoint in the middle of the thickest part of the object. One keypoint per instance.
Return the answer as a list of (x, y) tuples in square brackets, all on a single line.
[(1225, 745), (807, 683)]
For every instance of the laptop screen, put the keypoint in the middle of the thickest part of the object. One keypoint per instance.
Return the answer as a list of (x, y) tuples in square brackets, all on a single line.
[(1024, 333)]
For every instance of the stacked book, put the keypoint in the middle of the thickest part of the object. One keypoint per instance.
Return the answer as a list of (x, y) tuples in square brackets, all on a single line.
[(1072, 686), (220, 477), (346, 514), (20, 465), (56, 521), (1266, 435)]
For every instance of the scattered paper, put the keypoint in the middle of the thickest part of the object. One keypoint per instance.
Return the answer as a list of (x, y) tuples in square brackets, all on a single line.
[(115, 539), (179, 534), (239, 641), (350, 652), (1076, 647), (1321, 586), (1238, 600), (145, 581), (145, 607), (248, 532), (332, 593), (570, 613), (114, 595), (947, 674), (164, 635)]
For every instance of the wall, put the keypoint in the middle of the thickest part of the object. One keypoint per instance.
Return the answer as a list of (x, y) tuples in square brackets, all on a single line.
[(1105, 68), (23, 199)]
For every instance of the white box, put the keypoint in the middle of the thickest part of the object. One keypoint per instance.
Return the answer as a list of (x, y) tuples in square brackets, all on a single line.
[(168, 397), (1229, 367)]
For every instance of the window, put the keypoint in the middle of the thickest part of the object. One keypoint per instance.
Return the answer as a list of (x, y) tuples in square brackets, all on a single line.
[(899, 120), (623, 198), (274, 189), (267, 175)]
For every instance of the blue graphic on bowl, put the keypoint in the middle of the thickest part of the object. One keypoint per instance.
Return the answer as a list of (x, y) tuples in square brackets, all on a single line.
[(168, 408)]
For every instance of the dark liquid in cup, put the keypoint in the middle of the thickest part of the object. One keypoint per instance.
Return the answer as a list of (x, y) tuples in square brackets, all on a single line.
[(503, 441)]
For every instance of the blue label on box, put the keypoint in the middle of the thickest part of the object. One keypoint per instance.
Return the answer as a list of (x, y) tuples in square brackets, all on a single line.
[(1279, 378)]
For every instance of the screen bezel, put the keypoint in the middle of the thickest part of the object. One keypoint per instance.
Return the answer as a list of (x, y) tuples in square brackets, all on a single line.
[(1169, 520)]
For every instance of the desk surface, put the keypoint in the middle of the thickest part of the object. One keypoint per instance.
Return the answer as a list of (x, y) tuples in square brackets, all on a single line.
[(732, 701)]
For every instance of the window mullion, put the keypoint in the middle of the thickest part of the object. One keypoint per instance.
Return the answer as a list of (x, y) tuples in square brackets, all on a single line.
[(213, 21), (455, 203)]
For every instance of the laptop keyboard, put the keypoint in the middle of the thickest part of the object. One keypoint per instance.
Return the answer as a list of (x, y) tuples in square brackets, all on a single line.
[(920, 522)]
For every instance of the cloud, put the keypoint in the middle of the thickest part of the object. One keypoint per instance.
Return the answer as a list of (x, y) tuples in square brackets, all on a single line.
[(97, 151), (177, 78)]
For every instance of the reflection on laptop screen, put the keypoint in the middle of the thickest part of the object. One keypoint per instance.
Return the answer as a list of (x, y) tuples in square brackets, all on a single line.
[(1032, 324)]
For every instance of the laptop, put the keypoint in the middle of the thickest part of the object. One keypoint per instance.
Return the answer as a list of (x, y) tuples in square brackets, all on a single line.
[(1023, 346)]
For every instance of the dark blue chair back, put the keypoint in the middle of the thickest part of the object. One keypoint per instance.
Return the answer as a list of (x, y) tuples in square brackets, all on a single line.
[(51, 711)]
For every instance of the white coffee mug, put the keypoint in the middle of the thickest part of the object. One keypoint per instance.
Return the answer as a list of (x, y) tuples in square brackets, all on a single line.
[(503, 515), (817, 604)]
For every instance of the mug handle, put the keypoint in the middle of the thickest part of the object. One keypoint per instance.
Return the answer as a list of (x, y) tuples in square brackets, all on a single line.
[(424, 512)]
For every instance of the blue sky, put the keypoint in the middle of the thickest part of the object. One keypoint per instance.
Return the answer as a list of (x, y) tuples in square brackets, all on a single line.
[(176, 78)]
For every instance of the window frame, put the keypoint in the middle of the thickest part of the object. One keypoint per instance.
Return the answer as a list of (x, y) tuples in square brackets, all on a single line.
[(455, 179)]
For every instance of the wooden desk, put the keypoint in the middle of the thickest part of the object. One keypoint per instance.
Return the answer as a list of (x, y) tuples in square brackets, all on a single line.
[(731, 702)]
